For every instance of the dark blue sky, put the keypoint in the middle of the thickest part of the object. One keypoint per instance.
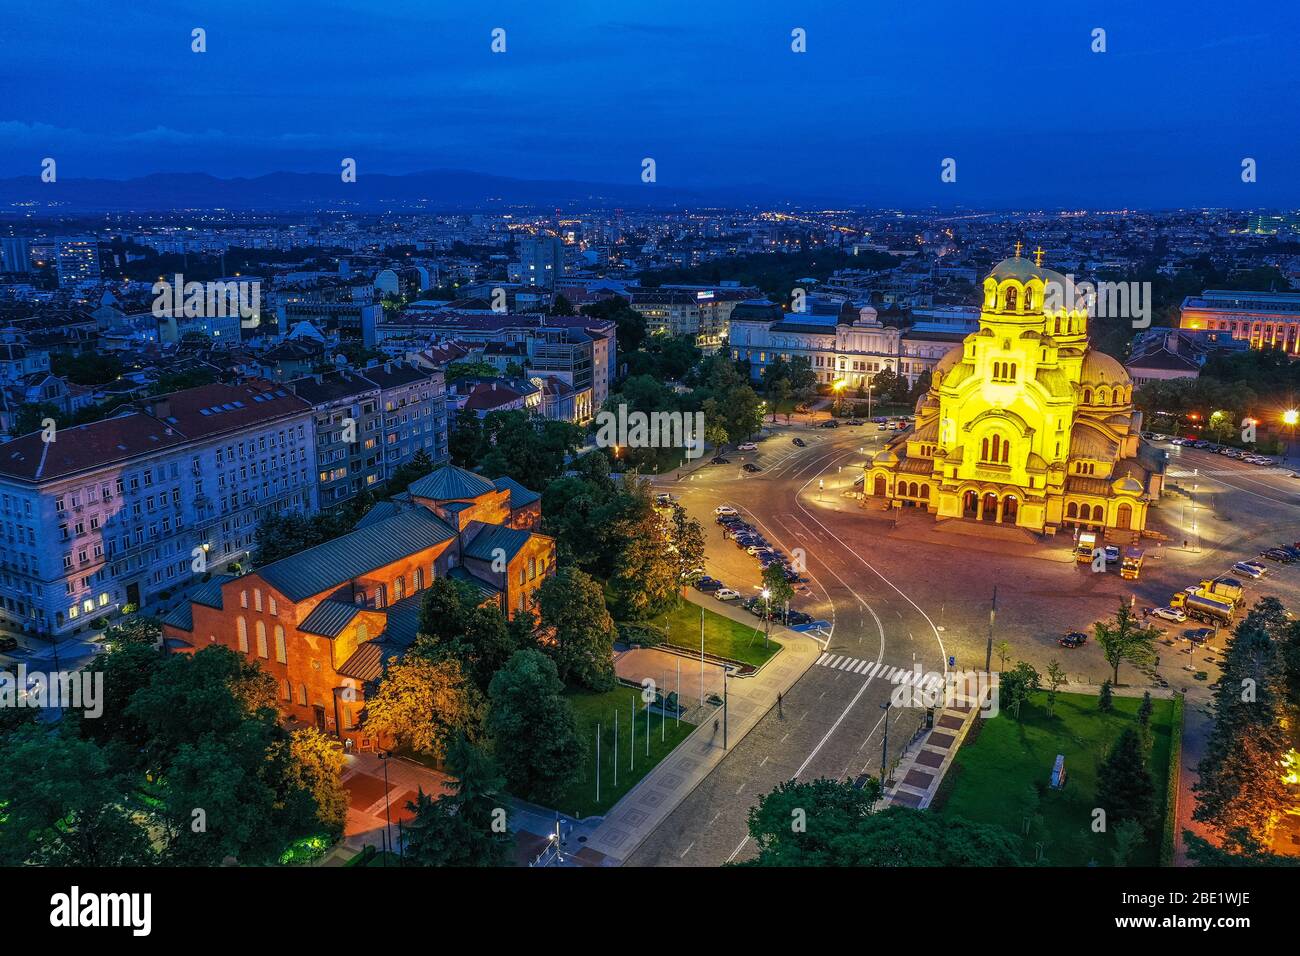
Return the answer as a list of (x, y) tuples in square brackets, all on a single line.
[(709, 88)]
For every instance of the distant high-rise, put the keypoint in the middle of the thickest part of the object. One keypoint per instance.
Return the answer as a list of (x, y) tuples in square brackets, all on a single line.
[(15, 255), (541, 260), (77, 260)]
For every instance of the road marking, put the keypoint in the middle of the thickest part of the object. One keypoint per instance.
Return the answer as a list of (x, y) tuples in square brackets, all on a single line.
[(687, 850)]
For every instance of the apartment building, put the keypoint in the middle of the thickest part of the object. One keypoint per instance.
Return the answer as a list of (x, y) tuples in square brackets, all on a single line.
[(115, 512)]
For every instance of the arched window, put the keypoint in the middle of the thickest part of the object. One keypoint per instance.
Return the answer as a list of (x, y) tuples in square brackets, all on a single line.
[(984, 450), (880, 486), (1058, 325), (257, 599), (419, 579), (1087, 396), (1010, 300), (241, 629), (1029, 299), (1103, 396), (1006, 451), (399, 587), (261, 639), (925, 491), (1072, 510), (1012, 376), (243, 599), (281, 651)]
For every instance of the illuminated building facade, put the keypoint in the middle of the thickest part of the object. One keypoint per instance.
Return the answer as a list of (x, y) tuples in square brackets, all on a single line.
[(1024, 424), (1266, 320)]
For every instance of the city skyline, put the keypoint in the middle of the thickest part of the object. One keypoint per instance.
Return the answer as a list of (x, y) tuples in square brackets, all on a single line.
[(728, 111)]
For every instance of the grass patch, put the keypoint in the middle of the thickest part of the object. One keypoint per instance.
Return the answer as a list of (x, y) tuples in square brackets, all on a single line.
[(1003, 777), (380, 858), (592, 709), (723, 637)]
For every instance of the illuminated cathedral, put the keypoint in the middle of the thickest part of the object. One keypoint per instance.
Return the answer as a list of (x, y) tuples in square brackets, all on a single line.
[(1024, 423)]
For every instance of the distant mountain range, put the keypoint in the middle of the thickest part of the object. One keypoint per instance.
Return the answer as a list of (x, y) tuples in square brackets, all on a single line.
[(436, 189)]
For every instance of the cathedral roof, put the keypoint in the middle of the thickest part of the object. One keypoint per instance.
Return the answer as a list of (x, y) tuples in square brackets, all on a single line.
[(1089, 441), (1100, 369), (1023, 270)]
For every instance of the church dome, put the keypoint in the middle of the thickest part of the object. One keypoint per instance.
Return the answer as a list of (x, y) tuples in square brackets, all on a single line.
[(1100, 369), (1022, 270)]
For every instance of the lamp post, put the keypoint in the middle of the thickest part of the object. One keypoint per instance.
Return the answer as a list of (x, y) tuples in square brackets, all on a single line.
[(384, 756), (1289, 418), (884, 746), (767, 616)]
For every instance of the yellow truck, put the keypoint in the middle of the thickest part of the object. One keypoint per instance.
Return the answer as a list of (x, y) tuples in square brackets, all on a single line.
[(1206, 608), (1131, 566), (1225, 589)]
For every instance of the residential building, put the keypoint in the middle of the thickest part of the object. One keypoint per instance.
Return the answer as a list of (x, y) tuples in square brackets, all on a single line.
[(113, 513)]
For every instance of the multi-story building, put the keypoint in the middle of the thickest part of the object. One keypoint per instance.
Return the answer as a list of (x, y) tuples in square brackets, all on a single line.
[(541, 261), (326, 622), (15, 254), (578, 349), (77, 260), (114, 512), (1263, 319), (368, 423)]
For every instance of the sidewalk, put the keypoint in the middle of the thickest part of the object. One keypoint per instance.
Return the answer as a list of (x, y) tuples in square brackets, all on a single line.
[(650, 802)]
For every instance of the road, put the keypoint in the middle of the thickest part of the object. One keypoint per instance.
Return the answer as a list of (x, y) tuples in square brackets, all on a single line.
[(832, 722), (901, 591)]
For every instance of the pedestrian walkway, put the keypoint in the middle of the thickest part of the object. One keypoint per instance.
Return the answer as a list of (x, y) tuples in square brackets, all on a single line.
[(650, 802), (923, 766), (908, 676)]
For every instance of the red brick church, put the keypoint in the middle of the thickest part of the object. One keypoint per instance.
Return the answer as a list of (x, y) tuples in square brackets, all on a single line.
[(325, 621)]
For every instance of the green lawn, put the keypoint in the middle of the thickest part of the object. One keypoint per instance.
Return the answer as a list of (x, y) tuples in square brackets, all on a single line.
[(1005, 772), (633, 764), (723, 637)]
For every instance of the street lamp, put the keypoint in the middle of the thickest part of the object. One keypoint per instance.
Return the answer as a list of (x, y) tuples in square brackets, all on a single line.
[(384, 757), (884, 746), (767, 616), (1289, 418)]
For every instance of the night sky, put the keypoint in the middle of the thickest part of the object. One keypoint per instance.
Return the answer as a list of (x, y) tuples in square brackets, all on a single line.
[(709, 89)]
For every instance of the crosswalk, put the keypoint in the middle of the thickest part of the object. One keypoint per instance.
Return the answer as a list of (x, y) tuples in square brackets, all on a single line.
[(895, 675)]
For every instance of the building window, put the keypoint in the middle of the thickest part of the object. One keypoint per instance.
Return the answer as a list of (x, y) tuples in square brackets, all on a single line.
[(241, 628), (281, 651), (243, 599), (261, 640)]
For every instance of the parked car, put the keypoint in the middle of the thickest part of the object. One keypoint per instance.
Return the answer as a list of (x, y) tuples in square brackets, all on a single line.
[(1257, 565), (665, 500), (8, 643), (693, 574), (724, 510), (1171, 614), (855, 421), (799, 442), (1112, 553), (726, 594), (1278, 555), (830, 423), (1198, 635), (1073, 639), (747, 446), (719, 460), (707, 584), (1249, 570), (798, 617), (750, 467)]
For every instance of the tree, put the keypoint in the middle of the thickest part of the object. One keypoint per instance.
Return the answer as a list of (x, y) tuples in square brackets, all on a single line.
[(190, 697), (60, 805), (465, 444), (532, 727), (1124, 787), (1106, 699), (1240, 791), (1145, 710), (573, 609), (561, 305), (1124, 640), (419, 466), (280, 535), (1004, 653), (1128, 837), (779, 591), (466, 827), (31, 417), (423, 704), (829, 823), (643, 579), (687, 539), (1055, 678), (134, 629), (454, 625), (123, 738), (1015, 686), (318, 764)]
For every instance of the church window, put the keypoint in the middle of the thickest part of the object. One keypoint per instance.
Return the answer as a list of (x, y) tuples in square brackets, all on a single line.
[(1010, 300)]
